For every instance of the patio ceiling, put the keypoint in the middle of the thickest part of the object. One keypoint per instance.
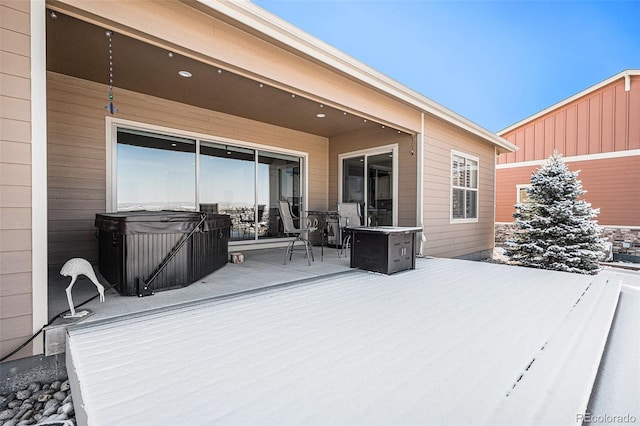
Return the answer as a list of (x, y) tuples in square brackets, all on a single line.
[(80, 49)]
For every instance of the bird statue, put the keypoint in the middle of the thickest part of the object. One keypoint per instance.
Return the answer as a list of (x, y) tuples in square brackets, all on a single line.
[(73, 268)]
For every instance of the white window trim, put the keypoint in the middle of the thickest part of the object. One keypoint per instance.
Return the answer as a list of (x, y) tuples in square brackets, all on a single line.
[(112, 124), (519, 188), (374, 151), (470, 157)]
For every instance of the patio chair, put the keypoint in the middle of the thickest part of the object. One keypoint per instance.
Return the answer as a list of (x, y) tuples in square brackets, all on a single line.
[(250, 224), (301, 233), (348, 215), (209, 208)]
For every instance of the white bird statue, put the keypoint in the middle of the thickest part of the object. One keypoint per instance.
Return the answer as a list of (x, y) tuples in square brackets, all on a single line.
[(73, 268)]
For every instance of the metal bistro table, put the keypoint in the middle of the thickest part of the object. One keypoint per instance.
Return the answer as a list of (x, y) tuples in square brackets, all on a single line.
[(385, 249), (328, 229)]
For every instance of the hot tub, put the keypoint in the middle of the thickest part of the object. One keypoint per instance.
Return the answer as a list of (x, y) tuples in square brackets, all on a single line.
[(164, 249)]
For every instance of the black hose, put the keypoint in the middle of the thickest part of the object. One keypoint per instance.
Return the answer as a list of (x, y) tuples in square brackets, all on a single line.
[(30, 339)]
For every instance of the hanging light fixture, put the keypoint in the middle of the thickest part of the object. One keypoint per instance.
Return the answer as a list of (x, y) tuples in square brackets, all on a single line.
[(110, 106)]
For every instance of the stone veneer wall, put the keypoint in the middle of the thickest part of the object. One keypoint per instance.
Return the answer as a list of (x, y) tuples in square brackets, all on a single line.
[(625, 240)]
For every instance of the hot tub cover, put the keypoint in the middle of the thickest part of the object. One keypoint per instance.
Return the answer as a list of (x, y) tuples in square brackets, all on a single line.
[(158, 222)]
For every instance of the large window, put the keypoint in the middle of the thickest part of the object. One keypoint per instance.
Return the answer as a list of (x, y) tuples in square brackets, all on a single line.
[(464, 187), (155, 171)]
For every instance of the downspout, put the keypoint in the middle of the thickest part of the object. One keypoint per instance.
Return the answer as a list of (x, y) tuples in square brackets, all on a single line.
[(420, 186), (627, 89), (495, 177), (627, 81)]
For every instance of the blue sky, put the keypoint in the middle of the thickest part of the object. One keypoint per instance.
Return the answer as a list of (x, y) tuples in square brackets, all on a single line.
[(493, 62)]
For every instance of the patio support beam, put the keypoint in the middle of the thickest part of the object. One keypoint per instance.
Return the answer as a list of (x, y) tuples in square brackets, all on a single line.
[(38, 171), (420, 184)]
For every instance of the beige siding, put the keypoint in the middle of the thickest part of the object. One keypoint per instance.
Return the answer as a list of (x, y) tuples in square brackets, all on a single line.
[(444, 238), (77, 153), (15, 177), (407, 181)]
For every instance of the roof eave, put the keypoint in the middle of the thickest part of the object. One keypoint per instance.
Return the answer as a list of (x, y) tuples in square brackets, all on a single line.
[(278, 29)]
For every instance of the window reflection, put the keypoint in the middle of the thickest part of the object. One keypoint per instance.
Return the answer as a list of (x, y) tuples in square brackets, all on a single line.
[(155, 171), (278, 179), (227, 178), (158, 172)]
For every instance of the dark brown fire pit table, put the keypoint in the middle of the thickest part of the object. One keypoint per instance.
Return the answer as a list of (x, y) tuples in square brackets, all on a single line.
[(384, 249)]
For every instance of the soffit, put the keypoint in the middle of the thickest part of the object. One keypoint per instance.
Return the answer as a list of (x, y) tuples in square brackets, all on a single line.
[(80, 49)]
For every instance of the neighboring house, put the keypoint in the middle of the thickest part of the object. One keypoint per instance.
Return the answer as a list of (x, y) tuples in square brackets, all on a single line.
[(598, 132), (220, 103)]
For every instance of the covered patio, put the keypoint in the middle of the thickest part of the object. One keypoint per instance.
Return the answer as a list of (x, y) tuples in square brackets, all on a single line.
[(451, 342)]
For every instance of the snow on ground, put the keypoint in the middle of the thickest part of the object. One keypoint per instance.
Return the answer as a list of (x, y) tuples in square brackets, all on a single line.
[(452, 342), (617, 388)]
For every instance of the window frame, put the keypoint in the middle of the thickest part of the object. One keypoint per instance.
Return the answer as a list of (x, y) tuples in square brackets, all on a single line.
[(519, 189), (452, 187)]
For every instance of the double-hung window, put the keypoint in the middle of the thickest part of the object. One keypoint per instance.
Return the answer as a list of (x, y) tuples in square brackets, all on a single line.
[(464, 187)]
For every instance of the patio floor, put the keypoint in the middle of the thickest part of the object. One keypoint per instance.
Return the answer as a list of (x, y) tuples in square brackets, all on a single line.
[(261, 268), (452, 342)]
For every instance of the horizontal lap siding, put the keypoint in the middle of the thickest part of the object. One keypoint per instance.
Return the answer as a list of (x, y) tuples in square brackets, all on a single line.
[(458, 239), (407, 166), (506, 193), (16, 321), (611, 185), (77, 184)]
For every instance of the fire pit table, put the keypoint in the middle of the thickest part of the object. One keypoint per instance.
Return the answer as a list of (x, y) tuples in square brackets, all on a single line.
[(385, 249)]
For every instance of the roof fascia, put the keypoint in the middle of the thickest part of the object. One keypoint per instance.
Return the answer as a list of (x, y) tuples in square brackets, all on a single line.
[(623, 74), (288, 34)]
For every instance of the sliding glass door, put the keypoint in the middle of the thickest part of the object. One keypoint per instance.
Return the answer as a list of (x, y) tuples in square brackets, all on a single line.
[(369, 180), (156, 171), (227, 183)]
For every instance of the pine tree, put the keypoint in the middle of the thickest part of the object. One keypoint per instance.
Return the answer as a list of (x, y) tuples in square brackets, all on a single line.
[(554, 228)]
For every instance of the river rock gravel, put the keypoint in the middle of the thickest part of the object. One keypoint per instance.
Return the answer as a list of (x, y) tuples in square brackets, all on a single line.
[(45, 404)]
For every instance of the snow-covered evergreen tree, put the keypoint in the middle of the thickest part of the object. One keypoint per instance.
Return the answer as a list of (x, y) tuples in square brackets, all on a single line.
[(554, 227)]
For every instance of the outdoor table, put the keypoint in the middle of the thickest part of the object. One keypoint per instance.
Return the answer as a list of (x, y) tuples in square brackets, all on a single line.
[(385, 249), (328, 228)]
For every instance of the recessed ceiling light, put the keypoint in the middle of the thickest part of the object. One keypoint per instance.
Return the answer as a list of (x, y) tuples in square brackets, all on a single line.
[(185, 74), (170, 54), (321, 115)]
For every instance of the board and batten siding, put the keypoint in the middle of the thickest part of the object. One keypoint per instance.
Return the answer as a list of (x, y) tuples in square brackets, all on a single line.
[(407, 165), (77, 153), (605, 120), (16, 312), (446, 239)]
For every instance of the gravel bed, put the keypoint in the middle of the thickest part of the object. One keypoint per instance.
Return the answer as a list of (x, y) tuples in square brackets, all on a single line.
[(44, 404)]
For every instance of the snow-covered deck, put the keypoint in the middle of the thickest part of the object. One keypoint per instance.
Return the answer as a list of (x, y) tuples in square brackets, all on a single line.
[(452, 342)]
